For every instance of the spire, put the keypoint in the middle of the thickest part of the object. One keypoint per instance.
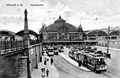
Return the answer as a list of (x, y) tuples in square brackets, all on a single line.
[(80, 28), (59, 20), (43, 27), (25, 20), (59, 16)]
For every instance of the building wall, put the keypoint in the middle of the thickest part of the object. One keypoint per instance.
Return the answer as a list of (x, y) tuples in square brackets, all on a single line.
[(63, 36), (113, 43), (13, 68)]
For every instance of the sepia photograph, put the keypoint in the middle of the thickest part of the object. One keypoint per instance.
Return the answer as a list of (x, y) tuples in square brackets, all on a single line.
[(59, 38)]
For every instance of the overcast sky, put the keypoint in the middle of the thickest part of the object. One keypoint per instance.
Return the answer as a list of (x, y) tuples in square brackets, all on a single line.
[(92, 14)]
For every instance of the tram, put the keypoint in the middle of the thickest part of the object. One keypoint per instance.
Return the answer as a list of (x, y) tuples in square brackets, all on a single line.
[(50, 51), (91, 60)]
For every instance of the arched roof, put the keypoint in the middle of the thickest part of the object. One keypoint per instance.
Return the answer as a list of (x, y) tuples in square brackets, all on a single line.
[(97, 33), (20, 33), (6, 33), (117, 32), (60, 25)]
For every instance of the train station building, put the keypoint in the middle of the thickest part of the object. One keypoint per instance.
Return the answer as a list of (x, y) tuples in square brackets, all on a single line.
[(62, 32)]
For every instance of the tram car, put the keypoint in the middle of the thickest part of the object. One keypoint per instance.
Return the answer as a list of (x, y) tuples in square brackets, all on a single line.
[(93, 61), (50, 51)]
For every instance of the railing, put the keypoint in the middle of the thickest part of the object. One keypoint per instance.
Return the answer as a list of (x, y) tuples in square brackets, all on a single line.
[(12, 46)]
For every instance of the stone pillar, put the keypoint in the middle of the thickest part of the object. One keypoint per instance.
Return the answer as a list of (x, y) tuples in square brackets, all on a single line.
[(21, 64), (13, 67), (41, 49), (26, 44)]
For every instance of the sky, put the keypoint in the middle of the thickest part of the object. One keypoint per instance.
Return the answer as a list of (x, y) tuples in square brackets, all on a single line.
[(91, 14)]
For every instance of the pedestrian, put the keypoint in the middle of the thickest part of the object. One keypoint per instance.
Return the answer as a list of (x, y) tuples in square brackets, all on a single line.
[(45, 62), (43, 72), (40, 59), (51, 60), (79, 63), (42, 53), (47, 72), (47, 59)]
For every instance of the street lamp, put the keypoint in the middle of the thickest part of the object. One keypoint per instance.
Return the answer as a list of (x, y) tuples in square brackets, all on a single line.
[(108, 40), (36, 54)]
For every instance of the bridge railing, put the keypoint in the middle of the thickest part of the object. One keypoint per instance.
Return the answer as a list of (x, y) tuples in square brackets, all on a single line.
[(13, 45)]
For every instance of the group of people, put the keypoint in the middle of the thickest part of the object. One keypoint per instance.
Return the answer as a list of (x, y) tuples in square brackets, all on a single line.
[(43, 72), (45, 63), (47, 60)]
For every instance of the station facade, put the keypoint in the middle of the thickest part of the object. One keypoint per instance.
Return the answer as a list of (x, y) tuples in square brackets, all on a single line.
[(61, 32)]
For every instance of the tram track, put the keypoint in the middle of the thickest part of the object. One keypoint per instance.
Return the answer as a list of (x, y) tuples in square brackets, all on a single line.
[(112, 71), (69, 70), (64, 66)]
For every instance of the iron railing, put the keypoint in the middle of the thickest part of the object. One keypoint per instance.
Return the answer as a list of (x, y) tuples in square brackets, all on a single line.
[(13, 45)]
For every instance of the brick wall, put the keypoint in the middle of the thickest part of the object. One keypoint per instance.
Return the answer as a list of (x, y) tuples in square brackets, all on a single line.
[(13, 67)]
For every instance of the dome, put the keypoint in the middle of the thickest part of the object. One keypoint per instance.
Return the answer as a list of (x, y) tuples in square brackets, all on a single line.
[(117, 32), (31, 32), (97, 33), (6, 33), (60, 25)]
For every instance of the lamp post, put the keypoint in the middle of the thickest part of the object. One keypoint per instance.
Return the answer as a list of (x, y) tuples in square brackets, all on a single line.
[(108, 40), (36, 54)]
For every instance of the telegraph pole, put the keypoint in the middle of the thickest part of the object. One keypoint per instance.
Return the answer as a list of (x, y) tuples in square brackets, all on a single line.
[(108, 39), (26, 43)]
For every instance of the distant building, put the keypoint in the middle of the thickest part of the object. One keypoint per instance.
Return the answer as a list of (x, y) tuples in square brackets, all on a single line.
[(102, 37), (61, 32)]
